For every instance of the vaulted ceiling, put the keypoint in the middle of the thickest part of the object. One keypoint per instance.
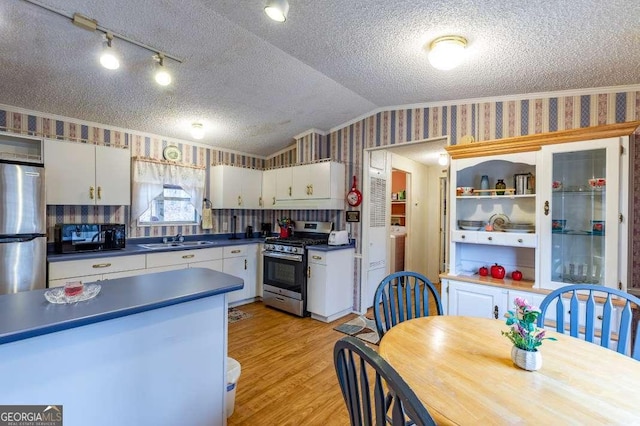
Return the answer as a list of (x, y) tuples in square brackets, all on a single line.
[(255, 83)]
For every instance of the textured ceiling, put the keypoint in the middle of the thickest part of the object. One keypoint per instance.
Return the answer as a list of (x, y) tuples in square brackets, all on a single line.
[(255, 83)]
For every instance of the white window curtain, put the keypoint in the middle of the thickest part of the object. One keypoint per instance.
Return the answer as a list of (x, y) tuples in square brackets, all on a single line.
[(149, 179)]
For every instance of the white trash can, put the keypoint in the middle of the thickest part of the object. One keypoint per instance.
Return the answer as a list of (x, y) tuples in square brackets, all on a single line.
[(233, 374)]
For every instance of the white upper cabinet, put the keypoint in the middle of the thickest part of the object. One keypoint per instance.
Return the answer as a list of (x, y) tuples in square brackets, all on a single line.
[(310, 186), (581, 210), (84, 174), (235, 187), (269, 188), (571, 226)]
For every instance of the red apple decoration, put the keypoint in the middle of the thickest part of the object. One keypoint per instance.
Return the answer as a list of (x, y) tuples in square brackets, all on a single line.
[(497, 271), (516, 275), (483, 271)]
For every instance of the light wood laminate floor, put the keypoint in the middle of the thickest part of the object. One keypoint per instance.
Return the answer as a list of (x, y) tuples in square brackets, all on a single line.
[(287, 375)]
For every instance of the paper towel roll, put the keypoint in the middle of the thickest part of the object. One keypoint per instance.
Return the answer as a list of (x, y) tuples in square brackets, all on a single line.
[(207, 219)]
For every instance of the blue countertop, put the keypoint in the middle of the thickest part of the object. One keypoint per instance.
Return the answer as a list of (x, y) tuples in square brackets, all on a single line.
[(133, 247), (28, 314)]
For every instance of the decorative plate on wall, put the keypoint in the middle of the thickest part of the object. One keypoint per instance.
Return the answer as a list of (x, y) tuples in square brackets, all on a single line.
[(172, 153)]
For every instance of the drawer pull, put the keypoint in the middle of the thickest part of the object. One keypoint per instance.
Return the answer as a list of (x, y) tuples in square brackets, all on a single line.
[(101, 265), (490, 238), (236, 251), (519, 240), (316, 257), (188, 256), (462, 237)]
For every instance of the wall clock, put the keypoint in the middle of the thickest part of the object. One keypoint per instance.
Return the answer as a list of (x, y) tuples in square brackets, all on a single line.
[(172, 153), (354, 197)]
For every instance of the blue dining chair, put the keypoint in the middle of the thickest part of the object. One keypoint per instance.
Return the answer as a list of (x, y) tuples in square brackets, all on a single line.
[(368, 402), (402, 296), (627, 332)]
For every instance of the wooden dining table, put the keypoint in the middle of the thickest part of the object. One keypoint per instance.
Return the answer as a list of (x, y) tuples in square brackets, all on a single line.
[(461, 369)]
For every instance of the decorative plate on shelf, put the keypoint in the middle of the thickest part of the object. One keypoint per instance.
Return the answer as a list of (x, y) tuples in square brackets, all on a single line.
[(56, 295), (498, 220), (172, 153)]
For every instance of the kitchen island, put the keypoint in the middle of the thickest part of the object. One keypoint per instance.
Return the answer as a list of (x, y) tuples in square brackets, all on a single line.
[(149, 349)]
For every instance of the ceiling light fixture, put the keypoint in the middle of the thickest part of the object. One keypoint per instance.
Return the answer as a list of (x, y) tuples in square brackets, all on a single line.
[(447, 52), (163, 78), (197, 131), (109, 58), (443, 160), (277, 10)]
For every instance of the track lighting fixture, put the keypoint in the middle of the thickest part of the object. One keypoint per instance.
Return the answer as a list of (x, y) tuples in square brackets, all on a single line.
[(197, 131), (162, 76), (109, 58), (277, 10)]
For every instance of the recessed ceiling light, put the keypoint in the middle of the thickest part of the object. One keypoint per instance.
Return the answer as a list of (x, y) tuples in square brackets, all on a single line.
[(447, 52), (443, 159), (197, 131), (277, 10)]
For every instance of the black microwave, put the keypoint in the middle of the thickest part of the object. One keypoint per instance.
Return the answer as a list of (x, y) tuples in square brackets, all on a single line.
[(81, 237)]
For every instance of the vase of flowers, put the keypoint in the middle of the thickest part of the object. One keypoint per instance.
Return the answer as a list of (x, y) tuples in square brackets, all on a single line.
[(524, 335)]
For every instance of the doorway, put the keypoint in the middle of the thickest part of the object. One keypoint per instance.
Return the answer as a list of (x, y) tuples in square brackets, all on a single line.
[(423, 213)]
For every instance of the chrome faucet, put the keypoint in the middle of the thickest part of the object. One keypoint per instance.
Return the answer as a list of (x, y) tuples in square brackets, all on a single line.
[(178, 238)]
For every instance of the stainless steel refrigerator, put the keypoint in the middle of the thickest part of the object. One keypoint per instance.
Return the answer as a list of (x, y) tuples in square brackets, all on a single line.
[(23, 241)]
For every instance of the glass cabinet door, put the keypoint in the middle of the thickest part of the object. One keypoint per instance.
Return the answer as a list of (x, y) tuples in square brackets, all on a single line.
[(580, 214)]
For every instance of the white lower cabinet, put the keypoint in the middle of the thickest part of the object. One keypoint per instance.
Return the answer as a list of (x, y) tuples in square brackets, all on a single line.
[(330, 284), (180, 259), (89, 270), (475, 300), (241, 261)]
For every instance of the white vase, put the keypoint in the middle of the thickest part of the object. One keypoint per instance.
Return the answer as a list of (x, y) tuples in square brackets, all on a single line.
[(527, 360)]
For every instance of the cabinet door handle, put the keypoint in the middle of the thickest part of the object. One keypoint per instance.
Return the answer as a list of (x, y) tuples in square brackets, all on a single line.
[(308, 271), (188, 256), (289, 191), (311, 189), (235, 251), (239, 200), (316, 257), (91, 192), (462, 237), (490, 238), (99, 193), (245, 264), (273, 203), (496, 311), (101, 265), (546, 208), (260, 201), (519, 240)]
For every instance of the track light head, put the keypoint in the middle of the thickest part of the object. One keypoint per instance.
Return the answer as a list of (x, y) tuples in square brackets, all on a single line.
[(109, 58), (162, 76)]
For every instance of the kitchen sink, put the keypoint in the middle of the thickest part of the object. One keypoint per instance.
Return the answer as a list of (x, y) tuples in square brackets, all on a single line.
[(184, 244)]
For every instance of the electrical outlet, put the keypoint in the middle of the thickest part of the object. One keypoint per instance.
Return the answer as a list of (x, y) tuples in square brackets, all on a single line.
[(225, 227)]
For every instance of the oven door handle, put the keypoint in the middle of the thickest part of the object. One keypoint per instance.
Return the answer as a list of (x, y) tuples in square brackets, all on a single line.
[(286, 256)]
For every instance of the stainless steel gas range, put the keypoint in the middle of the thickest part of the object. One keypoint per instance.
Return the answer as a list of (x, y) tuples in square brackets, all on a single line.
[(285, 266)]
